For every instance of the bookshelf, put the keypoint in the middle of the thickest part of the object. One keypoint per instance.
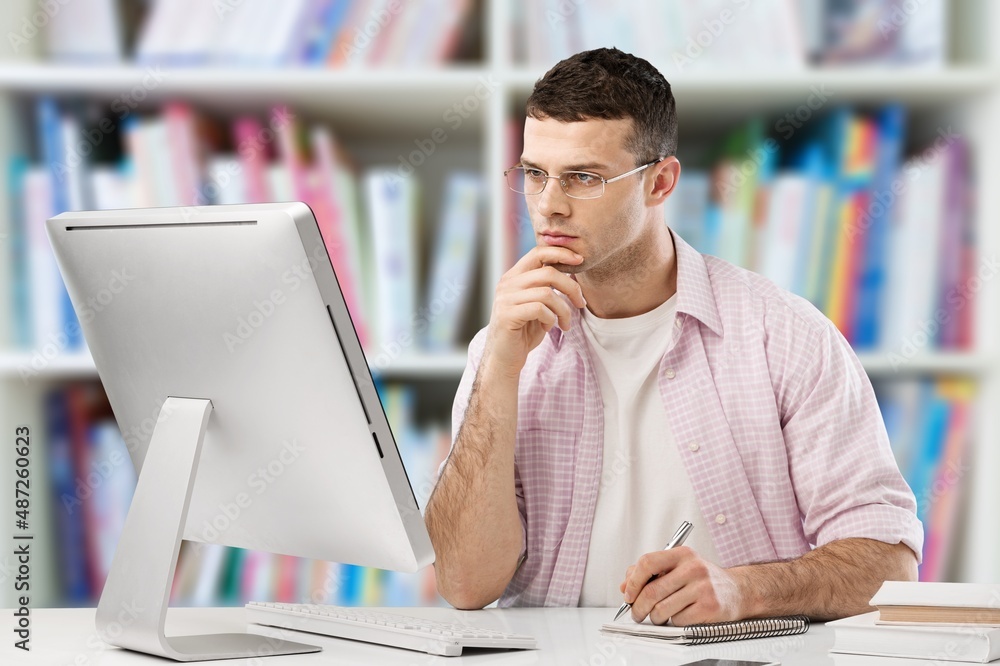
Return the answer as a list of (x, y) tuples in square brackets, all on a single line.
[(379, 113)]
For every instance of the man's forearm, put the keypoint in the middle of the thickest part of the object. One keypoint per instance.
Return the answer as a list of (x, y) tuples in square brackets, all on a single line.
[(472, 516), (835, 580)]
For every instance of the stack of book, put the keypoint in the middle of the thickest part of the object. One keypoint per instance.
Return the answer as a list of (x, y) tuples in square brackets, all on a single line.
[(938, 621)]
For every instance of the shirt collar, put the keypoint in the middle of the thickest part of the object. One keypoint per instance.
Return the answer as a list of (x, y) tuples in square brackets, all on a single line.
[(694, 286), (694, 295)]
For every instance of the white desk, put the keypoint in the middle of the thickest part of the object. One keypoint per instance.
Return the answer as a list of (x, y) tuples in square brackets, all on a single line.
[(570, 636)]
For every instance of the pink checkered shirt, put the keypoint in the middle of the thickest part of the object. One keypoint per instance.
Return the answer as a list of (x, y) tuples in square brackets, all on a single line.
[(772, 414)]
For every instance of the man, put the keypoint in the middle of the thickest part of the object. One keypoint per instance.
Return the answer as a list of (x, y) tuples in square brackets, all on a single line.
[(626, 383)]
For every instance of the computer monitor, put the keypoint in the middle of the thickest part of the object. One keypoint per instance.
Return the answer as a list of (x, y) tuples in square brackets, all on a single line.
[(229, 357)]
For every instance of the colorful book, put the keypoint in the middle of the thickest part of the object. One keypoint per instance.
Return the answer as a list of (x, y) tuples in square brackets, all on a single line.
[(248, 132), (341, 243), (854, 185), (46, 286), (182, 160), (451, 281), (890, 123), (957, 234), (106, 478), (20, 258), (949, 475), (392, 216), (75, 581), (57, 133)]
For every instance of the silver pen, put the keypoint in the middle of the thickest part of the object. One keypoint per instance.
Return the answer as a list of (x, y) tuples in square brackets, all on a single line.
[(676, 540)]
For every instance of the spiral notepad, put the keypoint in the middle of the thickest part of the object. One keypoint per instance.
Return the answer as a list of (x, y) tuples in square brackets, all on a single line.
[(713, 633)]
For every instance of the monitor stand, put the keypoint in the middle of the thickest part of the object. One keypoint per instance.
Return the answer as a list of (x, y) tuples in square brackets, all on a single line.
[(133, 607)]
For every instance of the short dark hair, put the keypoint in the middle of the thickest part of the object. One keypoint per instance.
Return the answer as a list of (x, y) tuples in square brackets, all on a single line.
[(611, 84)]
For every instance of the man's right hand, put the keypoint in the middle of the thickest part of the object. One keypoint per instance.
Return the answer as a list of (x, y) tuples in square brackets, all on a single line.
[(525, 307)]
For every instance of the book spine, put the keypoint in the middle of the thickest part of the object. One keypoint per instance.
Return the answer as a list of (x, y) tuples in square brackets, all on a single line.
[(253, 158), (17, 171), (871, 286), (64, 180), (450, 283), (69, 518)]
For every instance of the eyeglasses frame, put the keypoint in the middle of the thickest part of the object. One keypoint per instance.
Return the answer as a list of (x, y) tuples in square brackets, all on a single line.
[(562, 184)]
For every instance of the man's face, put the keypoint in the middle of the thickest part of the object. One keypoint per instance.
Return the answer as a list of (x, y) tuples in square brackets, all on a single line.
[(601, 230)]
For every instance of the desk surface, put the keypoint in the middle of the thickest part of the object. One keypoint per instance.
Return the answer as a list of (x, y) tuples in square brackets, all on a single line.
[(66, 637)]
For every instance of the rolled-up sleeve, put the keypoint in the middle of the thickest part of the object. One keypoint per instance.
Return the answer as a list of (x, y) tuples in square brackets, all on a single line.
[(845, 477)]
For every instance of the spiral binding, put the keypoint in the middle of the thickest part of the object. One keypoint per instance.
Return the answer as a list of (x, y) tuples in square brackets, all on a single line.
[(743, 629)]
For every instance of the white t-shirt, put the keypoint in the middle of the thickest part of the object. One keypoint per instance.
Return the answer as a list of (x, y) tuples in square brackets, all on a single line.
[(644, 492)]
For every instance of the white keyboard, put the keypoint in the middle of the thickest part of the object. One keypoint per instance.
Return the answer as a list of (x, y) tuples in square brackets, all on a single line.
[(375, 626)]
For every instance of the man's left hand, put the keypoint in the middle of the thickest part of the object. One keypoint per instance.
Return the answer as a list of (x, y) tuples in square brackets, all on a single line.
[(689, 589)]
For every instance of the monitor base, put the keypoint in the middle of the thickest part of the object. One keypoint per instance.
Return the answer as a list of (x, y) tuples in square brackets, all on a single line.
[(133, 607)]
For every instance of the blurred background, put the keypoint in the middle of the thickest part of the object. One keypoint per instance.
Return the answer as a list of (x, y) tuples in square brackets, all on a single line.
[(840, 147)]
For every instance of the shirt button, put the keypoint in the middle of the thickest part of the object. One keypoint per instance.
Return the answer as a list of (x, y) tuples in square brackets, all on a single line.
[(720, 518), (677, 322), (669, 373), (694, 446)]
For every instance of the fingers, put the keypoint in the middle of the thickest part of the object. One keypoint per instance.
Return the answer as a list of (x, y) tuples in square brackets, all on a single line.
[(550, 277), (543, 255), (653, 564), (550, 299), (675, 606), (654, 593), (526, 306), (525, 313)]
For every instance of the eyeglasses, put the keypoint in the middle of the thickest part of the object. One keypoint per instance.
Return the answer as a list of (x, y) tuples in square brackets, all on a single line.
[(576, 184)]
